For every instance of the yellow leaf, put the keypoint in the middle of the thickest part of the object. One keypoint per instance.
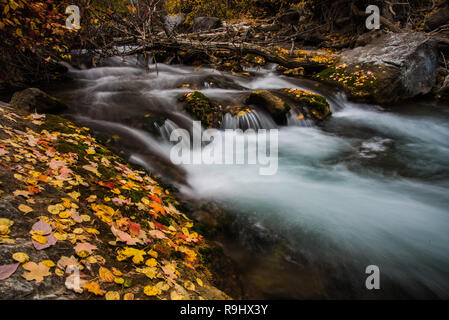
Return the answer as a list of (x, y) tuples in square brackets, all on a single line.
[(151, 262), (94, 288), (39, 238), (150, 272), (74, 195), (189, 285), (24, 208), (128, 296), (151, 291), (48, 263), (59, 272), (153, 253), (112, 295), (92, 231), (119, 280), (6, 222), (54, 209), (65, 214), (106, 274), (21, 257), (36, 272), (86, 218), (60, 236), (131, 252), (78, 231), (199, 281)]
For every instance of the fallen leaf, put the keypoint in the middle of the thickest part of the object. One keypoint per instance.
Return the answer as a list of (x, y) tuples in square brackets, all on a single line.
[(36, 272), (150, 272), (21, 257), (151, 291), (123, 236), (48, 263), (7, 270), (84, 246), (157, 234), (131, 252), (24, 208), (189, 285), (51, 240), (42, 226), (106, 274), (94, 288), (112, 295), (128, 296)]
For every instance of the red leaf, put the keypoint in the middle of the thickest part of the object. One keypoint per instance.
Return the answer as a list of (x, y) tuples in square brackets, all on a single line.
[(159, 226), (134, 228), (155, 198)]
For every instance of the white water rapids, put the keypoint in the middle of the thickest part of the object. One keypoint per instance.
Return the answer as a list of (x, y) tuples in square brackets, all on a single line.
[(367, 186)]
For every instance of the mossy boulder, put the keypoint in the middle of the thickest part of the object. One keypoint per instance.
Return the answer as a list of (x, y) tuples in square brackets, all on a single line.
[(315, 105), (35, 100), (393, 67), (271, 103), (201, 108), (360, 83)]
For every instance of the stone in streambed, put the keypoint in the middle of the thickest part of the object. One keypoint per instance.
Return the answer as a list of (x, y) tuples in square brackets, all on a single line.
[(271, 103), (201, 108), (308, 103), (394, 67), (35, 100)]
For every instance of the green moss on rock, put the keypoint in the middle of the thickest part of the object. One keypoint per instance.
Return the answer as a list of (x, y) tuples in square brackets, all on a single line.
[(199, 106), (316, 104), (361, 84)]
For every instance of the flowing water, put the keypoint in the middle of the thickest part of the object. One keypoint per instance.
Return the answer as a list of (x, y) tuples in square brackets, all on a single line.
[(368, 186)]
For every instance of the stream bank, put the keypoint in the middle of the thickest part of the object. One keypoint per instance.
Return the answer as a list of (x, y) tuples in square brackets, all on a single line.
[(347, 193)]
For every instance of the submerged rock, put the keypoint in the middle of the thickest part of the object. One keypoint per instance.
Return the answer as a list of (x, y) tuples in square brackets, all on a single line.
[(201, 108), (35, 100), (271, 103), (391, 68), (309, 103)]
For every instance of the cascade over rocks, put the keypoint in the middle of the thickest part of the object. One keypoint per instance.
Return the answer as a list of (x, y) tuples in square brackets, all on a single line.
[(271, 103)]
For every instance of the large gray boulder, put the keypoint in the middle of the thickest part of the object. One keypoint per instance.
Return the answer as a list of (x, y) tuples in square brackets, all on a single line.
[(174, 23), (403, 65), (35, 100)]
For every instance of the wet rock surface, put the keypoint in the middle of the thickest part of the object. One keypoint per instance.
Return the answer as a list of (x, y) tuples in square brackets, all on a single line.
[(35, 100), (271, 103), (399, 66)]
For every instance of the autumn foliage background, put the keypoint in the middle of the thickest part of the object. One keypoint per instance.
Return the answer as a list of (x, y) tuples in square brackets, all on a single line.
[(34, 36)]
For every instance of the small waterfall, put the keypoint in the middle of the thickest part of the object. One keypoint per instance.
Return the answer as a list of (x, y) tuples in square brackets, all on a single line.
[(166, 129), (250, 120), (295, 118)]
